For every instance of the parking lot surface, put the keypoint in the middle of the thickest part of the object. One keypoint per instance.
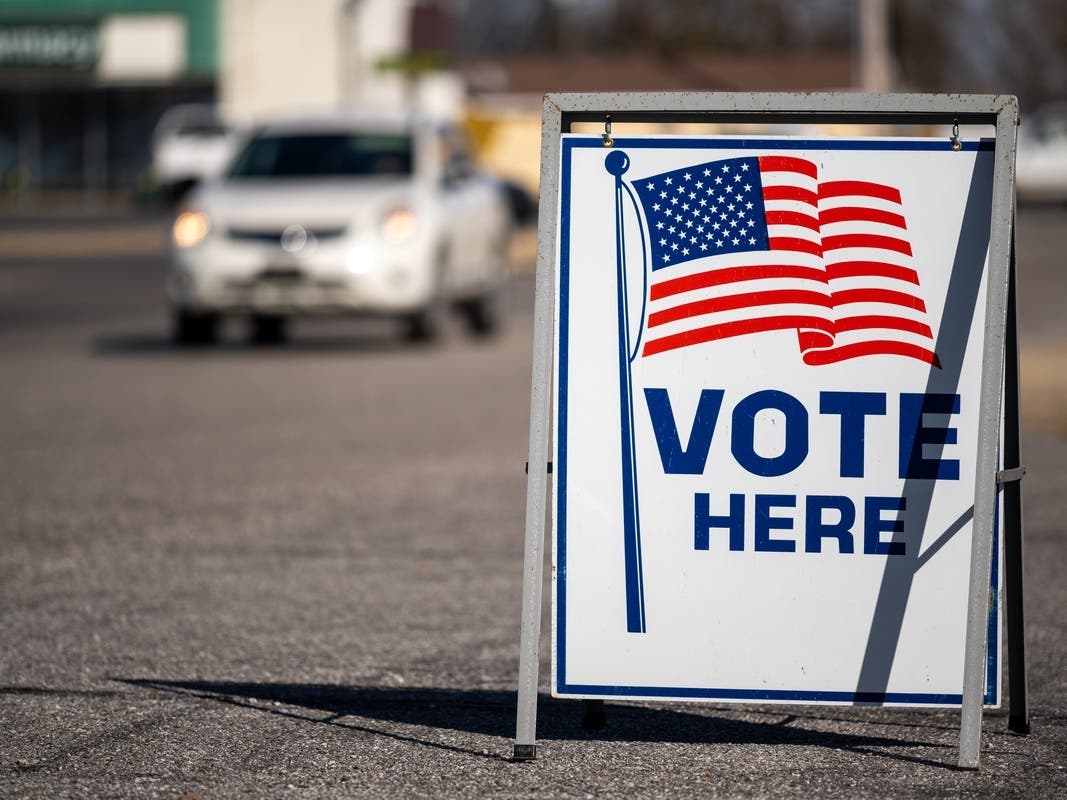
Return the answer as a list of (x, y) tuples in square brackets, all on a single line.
[(295, 571)]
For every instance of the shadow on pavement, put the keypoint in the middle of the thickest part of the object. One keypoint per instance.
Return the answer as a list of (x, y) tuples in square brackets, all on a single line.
[(492, 713), (156, 344)]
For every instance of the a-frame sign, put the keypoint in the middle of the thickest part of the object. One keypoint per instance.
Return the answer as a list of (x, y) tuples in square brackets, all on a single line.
[(780, 376)]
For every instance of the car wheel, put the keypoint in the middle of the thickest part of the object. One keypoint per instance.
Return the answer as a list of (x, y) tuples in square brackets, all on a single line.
[(195, 327), (428, 323), (485, 314), (269, 328)]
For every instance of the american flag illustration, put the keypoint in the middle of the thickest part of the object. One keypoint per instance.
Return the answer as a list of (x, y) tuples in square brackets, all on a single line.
[(759, 243)]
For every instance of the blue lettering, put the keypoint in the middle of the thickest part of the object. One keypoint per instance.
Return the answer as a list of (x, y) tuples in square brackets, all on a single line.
[(815, 529), (914, 435), (881, 515), (854, 408), (692, 460), (743, 441), (874, 526), (925, 430), (703, 521), (765, 523)]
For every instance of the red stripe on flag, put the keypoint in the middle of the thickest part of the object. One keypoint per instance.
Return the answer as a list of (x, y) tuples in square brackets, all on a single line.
[(793, 218), (860, 188), (866, 240), (720, 277), (854, 214), (788, 164), (874, 348), (878, 321), (808, 339), (728, 329), (792, 243), (887, 296), (864, 269), (790, 193), (733, 302)]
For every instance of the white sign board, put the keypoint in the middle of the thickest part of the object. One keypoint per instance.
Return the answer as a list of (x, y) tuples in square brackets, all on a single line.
[(768, 369)]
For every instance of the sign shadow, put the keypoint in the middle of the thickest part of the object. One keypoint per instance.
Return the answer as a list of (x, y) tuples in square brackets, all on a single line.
[(492, 713), (962, 297)]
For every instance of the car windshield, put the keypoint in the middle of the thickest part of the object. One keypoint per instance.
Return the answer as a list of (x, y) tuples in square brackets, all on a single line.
[(310, 155)]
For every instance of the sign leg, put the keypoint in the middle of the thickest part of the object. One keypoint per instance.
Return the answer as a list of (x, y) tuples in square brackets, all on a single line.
[(536, 504), (529, 639), (1018, 710), (530, 631), (989, 417), (593, 715), (974, 658)]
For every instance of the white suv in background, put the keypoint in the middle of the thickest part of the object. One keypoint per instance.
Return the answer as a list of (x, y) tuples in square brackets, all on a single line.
[(380, 215), (190, 143), (1041, 157)]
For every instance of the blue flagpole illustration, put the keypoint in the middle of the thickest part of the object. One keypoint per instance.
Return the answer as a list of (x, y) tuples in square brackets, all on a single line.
[(616, 163)]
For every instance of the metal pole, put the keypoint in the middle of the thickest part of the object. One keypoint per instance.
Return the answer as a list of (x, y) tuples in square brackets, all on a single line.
[(875, 61), (617, 163), (985, 489), (1018, 710), (537, 471)]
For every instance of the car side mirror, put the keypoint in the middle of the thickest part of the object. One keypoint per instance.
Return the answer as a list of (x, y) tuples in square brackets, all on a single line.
[(457, 170)]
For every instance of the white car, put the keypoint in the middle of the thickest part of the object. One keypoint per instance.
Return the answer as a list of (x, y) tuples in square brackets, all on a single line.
[(380, 215), (189, 143), (1041, 160)]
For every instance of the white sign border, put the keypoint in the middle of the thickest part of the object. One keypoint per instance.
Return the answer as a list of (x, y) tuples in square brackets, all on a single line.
[(560, 687)]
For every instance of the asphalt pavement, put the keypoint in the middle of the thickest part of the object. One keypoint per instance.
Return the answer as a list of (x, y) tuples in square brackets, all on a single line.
[(295, 571)]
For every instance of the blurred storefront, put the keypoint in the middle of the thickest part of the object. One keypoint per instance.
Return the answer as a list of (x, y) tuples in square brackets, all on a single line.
[(351, 54), (505, 92), (82, 82)]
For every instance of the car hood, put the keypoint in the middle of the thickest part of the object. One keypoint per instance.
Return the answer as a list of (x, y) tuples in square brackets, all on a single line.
[(319, 203)]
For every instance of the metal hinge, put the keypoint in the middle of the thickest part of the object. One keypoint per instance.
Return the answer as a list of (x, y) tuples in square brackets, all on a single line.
[(1010, 475)]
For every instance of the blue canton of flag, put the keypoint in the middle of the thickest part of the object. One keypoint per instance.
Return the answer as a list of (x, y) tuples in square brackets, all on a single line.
[(708, 209)]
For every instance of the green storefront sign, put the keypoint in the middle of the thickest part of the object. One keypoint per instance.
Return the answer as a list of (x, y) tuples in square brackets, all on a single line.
[(69, 46), (66, 33)]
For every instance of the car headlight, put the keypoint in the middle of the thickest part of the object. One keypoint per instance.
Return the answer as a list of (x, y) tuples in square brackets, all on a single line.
[(399, 225), (190, 228)]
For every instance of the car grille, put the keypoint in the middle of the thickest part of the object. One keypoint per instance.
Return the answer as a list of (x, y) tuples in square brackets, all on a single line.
[(274, 235)]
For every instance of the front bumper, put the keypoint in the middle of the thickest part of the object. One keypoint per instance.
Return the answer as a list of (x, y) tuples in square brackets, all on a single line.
[(344, 274)]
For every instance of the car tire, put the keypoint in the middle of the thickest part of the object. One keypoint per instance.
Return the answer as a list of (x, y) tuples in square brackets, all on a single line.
[(269, 328), (428, 323), (195, 327), (485, 314)]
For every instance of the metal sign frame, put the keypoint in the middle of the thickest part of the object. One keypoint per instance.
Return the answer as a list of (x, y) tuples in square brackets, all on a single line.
[(1000, 372)]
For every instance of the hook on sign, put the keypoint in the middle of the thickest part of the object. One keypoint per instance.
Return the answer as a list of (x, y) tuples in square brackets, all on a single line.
[(957, 145), (607, 140)]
